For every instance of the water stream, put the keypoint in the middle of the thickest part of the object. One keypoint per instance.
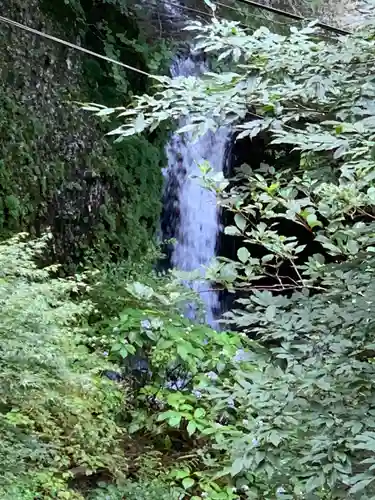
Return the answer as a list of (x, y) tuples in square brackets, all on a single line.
[(192, 209)]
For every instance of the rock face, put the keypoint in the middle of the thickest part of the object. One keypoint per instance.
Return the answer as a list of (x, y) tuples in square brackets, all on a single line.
[(359, 13), (56, 168)]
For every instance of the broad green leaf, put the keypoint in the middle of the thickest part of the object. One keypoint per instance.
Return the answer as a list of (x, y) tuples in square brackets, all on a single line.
[(175, 420), (191, 428), (274, 438), (139, 124), (353, 247), (188, 482), (243, 254), (181, 473), (199, 413), (314, 483), (312, 220), (270, 313), (361, 485), (232, 231), (106, 111), (123, 352), (237, 466), (240, 221)]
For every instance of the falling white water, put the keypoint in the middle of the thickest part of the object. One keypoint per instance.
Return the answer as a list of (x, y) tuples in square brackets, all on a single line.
[(197, 210)]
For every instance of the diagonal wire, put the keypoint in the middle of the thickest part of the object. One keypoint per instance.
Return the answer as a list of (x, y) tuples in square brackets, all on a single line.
[(296, 17), (73, 46), (145, 73)]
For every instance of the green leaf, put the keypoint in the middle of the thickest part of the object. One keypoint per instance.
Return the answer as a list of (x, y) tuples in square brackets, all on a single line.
[(199, 413), (183, 352), (175, 420), (314, 483), (270, 313), (243, 254), (274, 438), (339, 128), (312, 221), (237, 466), (361, 485), (150, 334), (191, 428), (139, 124), (181, 473), (353, 247), (232, 231), (267, 258), (356, 427), (123, 352), (165, 415), (175, 399), (209, 430), (240, 222), (228, 272), (187, 128), (117, 347), (188, 482)]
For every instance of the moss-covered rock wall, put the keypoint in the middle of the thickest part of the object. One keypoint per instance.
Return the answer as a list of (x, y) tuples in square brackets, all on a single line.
[(56, 167)]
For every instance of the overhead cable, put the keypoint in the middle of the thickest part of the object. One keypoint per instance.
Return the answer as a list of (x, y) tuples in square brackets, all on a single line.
[(145, 73), (73, 46), (296, 17)]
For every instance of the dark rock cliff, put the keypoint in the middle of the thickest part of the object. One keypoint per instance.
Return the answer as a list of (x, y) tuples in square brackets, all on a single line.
[(57, 169)]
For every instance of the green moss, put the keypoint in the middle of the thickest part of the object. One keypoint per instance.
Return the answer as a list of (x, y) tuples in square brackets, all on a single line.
[(56, 167)]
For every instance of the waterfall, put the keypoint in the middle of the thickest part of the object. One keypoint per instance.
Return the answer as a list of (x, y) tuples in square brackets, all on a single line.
[(190, 211)]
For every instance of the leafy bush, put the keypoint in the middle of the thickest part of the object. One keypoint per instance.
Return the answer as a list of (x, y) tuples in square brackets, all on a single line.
[(57, 416), (169, 363), (300, 422), (145, 490)]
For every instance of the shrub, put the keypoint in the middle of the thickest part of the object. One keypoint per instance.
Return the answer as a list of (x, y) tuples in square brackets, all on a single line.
[(57, 416), (145, 490)]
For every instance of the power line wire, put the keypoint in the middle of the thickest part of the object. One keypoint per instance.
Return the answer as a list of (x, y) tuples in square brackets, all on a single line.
[(268, 8), (145, 73), (131, 68), (257, 5), (209, 14), (224, 6), (296, 17), (73, 46)]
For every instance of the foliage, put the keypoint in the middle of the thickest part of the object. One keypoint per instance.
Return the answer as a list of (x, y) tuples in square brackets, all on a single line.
[(170, 364), (301, 421), (145, 490), (57, 416)]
